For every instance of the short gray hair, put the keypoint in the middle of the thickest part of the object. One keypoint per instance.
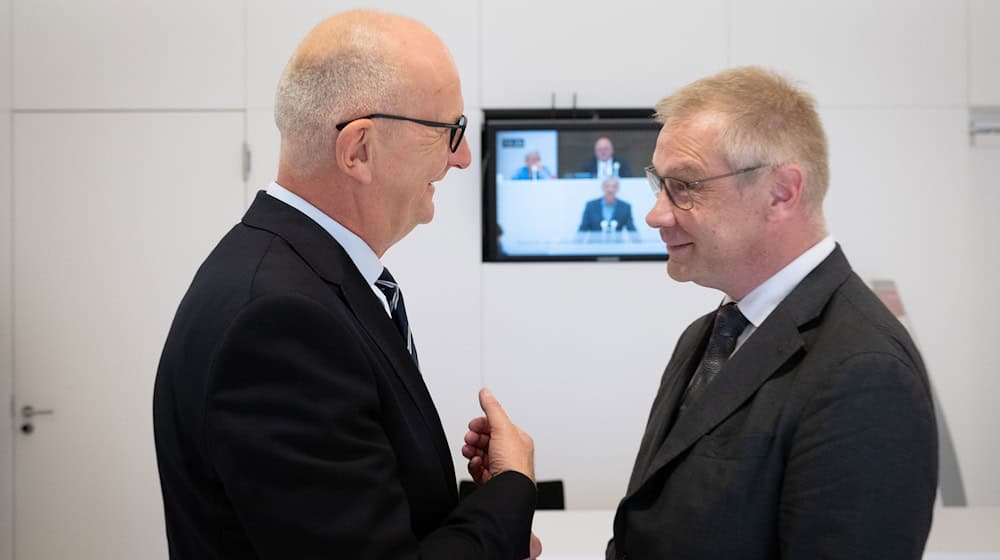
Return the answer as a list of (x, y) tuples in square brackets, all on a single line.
[(765, 120), (317, 91)]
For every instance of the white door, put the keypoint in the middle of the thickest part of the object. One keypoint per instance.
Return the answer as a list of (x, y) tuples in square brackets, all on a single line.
[(113, 212)]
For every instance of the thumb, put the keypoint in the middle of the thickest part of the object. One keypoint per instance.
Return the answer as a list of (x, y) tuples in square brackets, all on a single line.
[(495, 413)]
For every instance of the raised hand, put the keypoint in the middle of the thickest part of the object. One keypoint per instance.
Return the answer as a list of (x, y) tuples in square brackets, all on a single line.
[(494, 444)]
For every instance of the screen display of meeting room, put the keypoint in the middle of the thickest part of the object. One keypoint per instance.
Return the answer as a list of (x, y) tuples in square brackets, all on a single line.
[(568, 185)]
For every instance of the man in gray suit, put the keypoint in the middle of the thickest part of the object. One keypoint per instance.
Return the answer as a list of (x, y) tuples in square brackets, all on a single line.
[(795, 421)]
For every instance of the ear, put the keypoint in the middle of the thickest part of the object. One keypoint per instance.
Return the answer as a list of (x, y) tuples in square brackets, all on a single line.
[(353, 150), (785, 191)]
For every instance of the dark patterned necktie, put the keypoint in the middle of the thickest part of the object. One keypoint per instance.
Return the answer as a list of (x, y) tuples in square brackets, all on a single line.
[(729, 324), (394, 296)]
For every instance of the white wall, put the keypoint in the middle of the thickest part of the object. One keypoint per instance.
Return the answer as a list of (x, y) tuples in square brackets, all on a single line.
[(108, 54), (134, 113), (984, 53), (973, 408), (893, 83), (627, 55), (982, 461), (6, 315)]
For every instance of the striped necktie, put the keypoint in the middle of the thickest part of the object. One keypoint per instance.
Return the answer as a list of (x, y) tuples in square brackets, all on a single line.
[(397, 308)]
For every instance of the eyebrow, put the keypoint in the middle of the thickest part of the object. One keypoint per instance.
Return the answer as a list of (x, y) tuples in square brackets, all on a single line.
[(682, 171)]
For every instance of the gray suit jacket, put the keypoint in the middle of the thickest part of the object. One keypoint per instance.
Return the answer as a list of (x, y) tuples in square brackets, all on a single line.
[(817, 440)]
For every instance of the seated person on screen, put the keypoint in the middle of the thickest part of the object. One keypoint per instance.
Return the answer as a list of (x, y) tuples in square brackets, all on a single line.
[(604, 164), (607, 213), (533, 168)]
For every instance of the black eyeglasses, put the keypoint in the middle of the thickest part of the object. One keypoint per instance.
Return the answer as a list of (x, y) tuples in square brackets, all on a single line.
[(680, 191), (457, 130)]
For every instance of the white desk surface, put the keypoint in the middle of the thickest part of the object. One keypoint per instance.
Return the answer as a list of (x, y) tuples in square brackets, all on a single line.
[(956, 534)]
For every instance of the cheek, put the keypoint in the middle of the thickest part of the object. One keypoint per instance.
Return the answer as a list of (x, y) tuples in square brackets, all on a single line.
[(432, 167), (694, 224), (740, 236), (718, 238)]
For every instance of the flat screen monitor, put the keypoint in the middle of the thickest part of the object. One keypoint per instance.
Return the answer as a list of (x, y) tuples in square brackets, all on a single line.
[(568, 186)]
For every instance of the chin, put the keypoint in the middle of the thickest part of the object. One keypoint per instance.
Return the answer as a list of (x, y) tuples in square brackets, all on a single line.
[(426, 215), (678, 271)]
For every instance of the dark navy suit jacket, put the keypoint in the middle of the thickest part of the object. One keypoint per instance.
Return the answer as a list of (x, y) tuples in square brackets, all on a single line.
[(291, 422), (593, 215)]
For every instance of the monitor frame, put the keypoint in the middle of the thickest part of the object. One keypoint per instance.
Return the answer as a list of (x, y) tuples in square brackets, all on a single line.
[(548, 119)]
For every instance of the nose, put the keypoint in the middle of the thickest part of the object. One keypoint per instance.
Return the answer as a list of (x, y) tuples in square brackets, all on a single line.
[(462, 157), (662, 213)]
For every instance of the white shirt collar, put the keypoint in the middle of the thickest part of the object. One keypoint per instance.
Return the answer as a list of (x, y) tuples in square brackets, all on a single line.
[(361, 254), (762, 300)]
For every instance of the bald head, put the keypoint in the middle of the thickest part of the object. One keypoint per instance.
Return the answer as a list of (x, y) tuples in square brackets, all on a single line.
[(604, 149), (374, 176), (351, 65)]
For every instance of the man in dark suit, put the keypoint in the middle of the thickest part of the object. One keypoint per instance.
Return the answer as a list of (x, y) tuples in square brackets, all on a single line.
[(607, 213), (604, 163), (290, 414), (796, 420)]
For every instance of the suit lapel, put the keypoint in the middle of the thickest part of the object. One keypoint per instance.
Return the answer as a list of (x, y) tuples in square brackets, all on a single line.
[(373, 318), (771, 345), (762, 355), (331, 262), (672, 386)]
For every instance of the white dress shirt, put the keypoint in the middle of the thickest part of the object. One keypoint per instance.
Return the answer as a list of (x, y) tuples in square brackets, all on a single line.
[(361, 254), (763, 299)]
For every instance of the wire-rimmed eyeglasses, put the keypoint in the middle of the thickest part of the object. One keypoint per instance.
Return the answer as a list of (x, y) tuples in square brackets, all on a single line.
[(680, 191)]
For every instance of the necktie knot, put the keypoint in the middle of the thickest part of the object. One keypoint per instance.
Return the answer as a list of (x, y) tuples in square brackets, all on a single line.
[(397, 309), (387, 284), (729, 321)]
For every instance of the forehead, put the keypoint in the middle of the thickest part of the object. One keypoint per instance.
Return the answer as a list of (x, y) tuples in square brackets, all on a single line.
[(430, 72), (688, 144)]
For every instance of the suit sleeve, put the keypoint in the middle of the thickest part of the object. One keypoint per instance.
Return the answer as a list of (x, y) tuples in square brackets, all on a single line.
[(293, 430), (862, 468)]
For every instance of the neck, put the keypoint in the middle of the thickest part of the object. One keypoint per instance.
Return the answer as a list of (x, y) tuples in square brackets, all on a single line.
[(339, 201), (789, 246)]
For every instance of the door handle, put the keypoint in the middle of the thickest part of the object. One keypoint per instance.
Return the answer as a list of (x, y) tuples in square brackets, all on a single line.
[(27, 411)]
